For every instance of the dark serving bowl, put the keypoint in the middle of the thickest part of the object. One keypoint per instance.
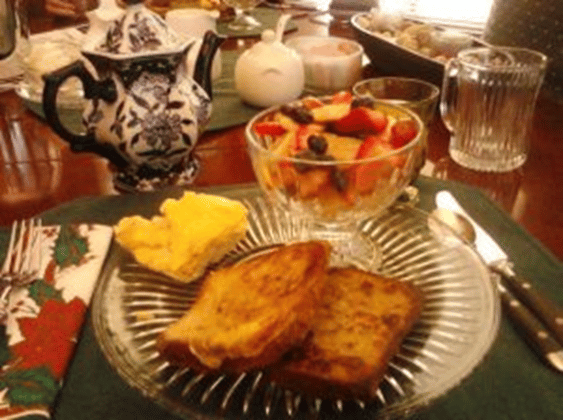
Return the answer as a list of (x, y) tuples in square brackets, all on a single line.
[(394, 59)]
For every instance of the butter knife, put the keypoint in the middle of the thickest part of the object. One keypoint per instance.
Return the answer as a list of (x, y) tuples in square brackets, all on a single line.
[(548, 340)]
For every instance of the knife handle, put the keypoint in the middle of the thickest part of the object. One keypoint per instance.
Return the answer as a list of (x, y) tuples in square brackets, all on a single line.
[(530, 327), (545, 309)]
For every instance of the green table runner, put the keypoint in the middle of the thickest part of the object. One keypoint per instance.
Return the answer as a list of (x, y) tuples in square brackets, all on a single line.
[(228, 109), (510, 384)]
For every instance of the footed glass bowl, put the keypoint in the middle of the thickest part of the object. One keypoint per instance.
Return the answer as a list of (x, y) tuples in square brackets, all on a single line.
[(334, 161)]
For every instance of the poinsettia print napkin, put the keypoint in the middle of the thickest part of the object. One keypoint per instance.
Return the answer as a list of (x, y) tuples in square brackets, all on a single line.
[(46, 317)]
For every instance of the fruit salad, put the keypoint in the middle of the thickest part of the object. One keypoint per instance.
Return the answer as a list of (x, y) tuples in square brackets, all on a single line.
[(336, 152)]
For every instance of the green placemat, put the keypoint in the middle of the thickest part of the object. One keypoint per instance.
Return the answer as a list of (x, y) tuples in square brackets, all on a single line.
[(228, 108), (510, 384)]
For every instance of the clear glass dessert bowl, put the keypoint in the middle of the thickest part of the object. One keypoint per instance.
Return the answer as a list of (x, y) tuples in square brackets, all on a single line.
[(333, 162)]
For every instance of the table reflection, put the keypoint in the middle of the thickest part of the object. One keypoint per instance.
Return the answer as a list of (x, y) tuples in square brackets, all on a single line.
[(503, 188)]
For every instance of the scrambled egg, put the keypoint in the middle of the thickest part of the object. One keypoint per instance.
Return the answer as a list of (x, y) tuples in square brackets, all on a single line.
[(190, 233)]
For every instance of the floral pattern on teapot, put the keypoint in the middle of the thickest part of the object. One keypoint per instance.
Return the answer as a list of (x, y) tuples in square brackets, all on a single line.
[(139, 31), (159, 115)]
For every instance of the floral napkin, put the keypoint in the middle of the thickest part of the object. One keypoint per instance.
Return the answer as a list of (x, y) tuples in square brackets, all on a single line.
[(45, 319)]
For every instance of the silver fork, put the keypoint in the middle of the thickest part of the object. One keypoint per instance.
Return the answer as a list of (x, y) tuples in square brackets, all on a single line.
[(23, 260)]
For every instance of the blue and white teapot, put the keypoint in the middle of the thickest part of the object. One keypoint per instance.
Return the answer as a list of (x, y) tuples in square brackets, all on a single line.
[(145, 111)]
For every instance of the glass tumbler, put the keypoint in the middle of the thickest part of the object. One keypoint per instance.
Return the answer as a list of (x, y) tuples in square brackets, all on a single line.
[(487, 103), (417, 95)]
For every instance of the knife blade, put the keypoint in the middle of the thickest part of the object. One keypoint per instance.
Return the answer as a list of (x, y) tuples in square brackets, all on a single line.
[(548, 312)]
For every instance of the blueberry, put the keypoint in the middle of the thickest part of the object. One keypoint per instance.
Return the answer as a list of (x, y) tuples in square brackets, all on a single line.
[(286, 109), (326, 158), (297, 113), (339, 180), (317, 144), (365, 101), (303, 166)]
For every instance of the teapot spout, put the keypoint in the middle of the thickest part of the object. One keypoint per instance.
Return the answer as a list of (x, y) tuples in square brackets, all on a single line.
[(202, 72)]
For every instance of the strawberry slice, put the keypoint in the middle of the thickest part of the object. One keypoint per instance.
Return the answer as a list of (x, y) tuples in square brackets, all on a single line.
[(372, 145), (402, 132), (311, 102), (369, 173), (360, 120), (269, 128), (343, 97), (378, 119)]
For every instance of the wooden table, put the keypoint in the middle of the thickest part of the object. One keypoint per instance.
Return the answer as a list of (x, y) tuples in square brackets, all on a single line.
[(38, 171)]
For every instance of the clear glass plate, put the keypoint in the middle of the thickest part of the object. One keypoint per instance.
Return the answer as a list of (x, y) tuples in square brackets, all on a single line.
[(459, 322)]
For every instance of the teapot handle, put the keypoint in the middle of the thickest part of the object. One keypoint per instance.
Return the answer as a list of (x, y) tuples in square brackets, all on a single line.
[(93, 89)]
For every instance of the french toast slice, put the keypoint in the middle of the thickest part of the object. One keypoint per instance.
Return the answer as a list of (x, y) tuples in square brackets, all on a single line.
[(360, 324), (248, 314)]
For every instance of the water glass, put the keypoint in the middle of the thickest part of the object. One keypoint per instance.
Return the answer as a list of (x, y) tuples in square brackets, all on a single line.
[(487, 103), (417, 95)]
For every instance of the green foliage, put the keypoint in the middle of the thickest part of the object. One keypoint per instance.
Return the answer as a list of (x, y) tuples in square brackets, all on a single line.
[(70, 247), (40, 292), (29, 387)]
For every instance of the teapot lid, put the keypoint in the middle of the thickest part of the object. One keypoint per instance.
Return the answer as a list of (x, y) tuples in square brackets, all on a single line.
[(139, 31)]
